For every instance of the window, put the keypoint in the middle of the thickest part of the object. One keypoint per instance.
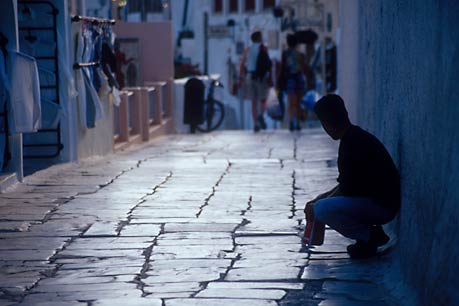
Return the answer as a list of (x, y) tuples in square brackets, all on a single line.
[(234, 6), (134, 6), (154, 6), (218, 6), (268, 4), (249, 5)]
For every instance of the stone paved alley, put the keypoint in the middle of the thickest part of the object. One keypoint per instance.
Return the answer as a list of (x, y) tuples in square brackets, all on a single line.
[(187, 220)]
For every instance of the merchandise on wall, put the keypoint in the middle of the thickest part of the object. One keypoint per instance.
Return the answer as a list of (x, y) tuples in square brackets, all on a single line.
[(95, 67)]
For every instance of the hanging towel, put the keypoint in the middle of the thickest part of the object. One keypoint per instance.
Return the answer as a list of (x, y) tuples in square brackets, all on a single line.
[(104, 89), (116, 95), (24, 104)]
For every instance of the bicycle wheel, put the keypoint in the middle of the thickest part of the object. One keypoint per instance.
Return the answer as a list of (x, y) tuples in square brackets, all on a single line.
[(214, 113)]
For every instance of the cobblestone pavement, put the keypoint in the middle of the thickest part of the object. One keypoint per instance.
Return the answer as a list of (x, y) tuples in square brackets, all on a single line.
[(187, 220)]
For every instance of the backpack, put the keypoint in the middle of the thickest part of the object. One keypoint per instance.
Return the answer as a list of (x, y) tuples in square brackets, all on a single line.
[(263, 66)]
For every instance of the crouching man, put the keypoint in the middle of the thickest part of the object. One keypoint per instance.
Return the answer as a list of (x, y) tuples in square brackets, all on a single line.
[(368, 190)]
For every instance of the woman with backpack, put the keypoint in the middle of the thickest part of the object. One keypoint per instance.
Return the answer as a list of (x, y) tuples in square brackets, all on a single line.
[(292, 75)]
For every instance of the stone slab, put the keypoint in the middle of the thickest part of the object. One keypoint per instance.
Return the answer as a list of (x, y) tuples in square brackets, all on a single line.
[(128, 302), (199, 227), (357, 291), (107, 229), (344, 270), (225, 293), (140, 230), (253, 274), (219, 302), (256, 285), (171, 287), (343, 301)]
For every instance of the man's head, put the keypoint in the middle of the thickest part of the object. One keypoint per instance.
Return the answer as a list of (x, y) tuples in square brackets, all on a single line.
[(256, 37), (333, 115)]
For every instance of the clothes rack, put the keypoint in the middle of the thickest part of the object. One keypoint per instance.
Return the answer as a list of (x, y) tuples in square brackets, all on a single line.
[(49, 143), (81, 65), (93, 20)]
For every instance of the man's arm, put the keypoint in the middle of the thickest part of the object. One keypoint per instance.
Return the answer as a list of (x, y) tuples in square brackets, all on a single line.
[(335, 191)]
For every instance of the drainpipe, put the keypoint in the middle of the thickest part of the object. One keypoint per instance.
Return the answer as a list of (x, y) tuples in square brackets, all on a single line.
[(206, 42), (185, 14)]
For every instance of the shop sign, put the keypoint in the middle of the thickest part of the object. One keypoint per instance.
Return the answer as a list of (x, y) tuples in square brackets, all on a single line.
[(218, 31)]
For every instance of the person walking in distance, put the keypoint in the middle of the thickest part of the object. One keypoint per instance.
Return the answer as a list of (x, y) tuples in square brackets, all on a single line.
[(255, 71), (293, 67), (368, 191)]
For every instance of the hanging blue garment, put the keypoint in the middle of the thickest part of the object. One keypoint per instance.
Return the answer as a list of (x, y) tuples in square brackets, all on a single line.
[(79, 79), (94, 109), (89, 104), (96, 57)]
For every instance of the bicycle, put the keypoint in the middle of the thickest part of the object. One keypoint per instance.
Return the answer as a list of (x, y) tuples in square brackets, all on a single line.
[(214, 110)]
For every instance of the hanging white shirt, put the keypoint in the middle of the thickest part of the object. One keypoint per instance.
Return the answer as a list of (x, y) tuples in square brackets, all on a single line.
[(25, 105)]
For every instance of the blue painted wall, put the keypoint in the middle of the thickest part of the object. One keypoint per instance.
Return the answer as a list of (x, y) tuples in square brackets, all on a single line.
[(407, 94)]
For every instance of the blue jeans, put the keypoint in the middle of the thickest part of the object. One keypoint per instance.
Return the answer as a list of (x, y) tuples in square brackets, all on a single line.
[(353, 217)]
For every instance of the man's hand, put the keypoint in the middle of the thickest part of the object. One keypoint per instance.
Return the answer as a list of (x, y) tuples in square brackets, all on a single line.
[(309, 209)]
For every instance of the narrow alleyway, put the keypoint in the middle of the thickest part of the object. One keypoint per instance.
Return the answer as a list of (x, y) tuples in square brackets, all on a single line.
[(188, 220)]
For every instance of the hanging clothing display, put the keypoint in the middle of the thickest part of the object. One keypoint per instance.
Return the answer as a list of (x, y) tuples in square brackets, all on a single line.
[(92, 75), (24, 92), (79, 81)]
